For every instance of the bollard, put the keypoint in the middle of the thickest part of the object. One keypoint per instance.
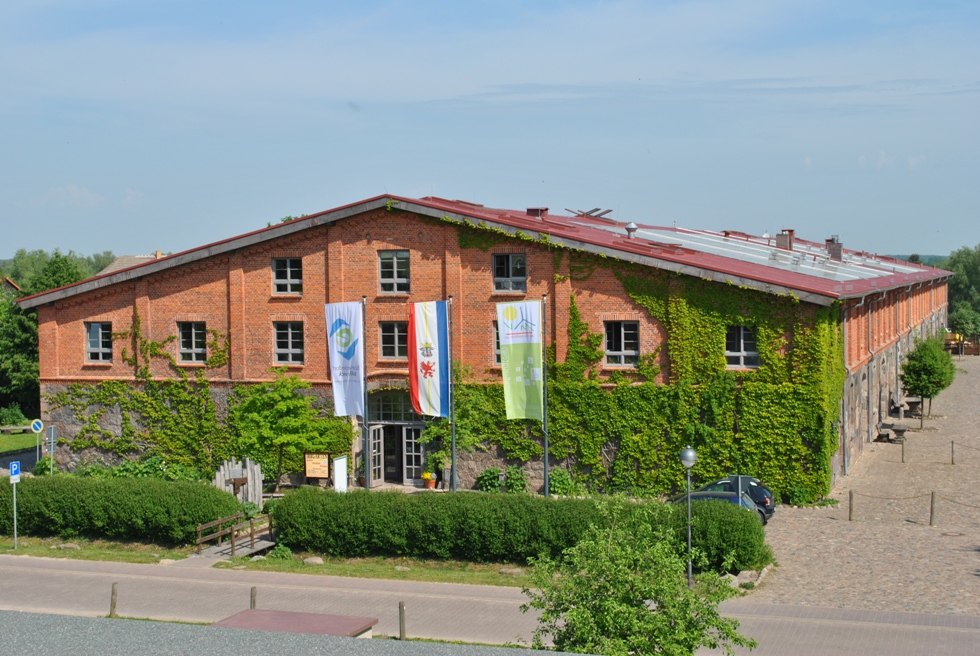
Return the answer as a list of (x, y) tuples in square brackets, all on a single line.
[(112, 600), (251, 598), (903, 452), (952, 452), (401, 620), (850, 505), (932, 509)]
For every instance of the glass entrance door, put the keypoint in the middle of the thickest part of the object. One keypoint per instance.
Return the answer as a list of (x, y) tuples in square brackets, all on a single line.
[(412, 462), (377, 444)]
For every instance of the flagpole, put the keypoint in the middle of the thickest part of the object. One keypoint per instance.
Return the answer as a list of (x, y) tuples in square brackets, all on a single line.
[(452, 397), (367, 433), (544, 369)]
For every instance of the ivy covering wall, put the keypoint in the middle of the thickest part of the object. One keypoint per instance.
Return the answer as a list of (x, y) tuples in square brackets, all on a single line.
[(777, 422)]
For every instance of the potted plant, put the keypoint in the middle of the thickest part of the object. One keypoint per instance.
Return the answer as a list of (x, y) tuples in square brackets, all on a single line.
[(429, 480)]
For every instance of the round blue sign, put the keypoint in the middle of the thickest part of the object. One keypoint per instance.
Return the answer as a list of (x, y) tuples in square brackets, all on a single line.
[(37, 425)]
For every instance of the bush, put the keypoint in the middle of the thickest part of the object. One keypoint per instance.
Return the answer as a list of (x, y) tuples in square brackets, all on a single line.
[(146, 510), (151, 467), (492, 527), (727, 536), (12, 416), (515, 481), (560, 482), (43, 466), (489, 480)]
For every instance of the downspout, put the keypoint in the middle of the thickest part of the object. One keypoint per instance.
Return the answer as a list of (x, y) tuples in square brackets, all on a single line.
[(871, 360), (842, 429)]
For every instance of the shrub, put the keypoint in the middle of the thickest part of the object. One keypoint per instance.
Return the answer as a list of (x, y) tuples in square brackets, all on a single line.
[(43, 466), (724, 533), (515, 481), (150, 510), (560, 482), (489, 480), (492, 527), (151, 467), (12, 416)]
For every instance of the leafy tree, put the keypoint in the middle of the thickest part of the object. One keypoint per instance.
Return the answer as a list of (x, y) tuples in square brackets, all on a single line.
[(19, 381), (928, 370), (965, 320), (276, 424), (623, 590), (964, 286)]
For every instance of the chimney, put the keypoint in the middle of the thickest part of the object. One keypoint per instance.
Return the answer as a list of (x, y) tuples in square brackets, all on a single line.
[(537, 211), (835, 249), (631, 229), (784, 239)]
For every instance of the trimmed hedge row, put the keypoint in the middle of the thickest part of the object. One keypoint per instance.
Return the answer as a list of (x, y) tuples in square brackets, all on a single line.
[(478, 527), (145, 509)]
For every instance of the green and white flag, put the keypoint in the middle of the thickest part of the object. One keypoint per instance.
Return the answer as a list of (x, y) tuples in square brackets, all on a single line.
[(519, 329)]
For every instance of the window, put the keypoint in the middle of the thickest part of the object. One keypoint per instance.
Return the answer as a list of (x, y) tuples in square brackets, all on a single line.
[(394, 339), (509, 273), (391, 405), (289, 342), (496, 343), (99, 338), (393, 271), (193, 341), (622, 342), (288, 274), (740, 347)]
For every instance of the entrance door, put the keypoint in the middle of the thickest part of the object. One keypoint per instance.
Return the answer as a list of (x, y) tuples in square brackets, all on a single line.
[(377, 444), (413, 458)]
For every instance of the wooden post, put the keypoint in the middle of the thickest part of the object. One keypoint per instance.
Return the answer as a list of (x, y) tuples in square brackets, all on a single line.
[(952, 452), (932, 509), (903, 452), (232, 540), (850, 505), (251, 600), (112, 600), (401, 620)]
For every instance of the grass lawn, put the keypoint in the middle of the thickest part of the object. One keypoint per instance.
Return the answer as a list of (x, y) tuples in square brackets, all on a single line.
[(17, 442), (123, 552), (406, 569), (432, 571)]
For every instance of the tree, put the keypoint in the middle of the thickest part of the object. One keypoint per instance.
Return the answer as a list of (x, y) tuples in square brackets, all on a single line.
[(276, 424), (19, 381), (964, 286), (623, 590), (927, 371), (965, 321)]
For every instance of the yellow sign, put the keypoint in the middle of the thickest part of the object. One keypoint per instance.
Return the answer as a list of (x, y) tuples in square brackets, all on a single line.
[(318, 465)]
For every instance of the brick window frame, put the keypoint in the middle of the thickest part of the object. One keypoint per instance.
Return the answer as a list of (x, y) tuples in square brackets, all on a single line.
[(192, 342), (393, 340), (394, 271), (509, 273), (288, 343), (622, 342), (287, 276), (98, 342)]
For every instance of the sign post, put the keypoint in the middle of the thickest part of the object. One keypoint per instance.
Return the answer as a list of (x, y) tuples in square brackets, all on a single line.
[(14, 480)]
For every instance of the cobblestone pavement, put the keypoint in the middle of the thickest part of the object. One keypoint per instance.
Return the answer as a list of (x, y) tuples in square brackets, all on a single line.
[(889, 558)]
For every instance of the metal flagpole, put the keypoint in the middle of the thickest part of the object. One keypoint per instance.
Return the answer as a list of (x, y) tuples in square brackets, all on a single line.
[(544, 370), (367, 439), (452, 397)]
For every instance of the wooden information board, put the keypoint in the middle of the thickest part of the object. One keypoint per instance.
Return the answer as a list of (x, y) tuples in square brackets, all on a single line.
[(318, 465)]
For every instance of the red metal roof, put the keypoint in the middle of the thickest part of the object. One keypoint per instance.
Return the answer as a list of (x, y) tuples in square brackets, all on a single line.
[(807, 270)]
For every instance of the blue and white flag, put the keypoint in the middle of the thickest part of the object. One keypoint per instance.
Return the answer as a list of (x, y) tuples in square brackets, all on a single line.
[(428, 358), (345, 341)]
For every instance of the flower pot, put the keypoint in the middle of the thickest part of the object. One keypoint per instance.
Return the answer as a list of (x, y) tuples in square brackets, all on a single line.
[(430, 484)]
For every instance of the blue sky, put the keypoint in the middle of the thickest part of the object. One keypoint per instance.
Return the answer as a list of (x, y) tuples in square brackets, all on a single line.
[(133, 126)]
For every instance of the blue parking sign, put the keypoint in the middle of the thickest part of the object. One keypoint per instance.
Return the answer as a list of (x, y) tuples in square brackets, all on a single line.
[(15, 471)]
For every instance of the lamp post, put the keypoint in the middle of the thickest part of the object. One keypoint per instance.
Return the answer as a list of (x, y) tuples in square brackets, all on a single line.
[(688, 457)]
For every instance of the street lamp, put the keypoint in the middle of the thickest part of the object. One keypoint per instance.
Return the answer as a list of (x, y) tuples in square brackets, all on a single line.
[(688, 457)]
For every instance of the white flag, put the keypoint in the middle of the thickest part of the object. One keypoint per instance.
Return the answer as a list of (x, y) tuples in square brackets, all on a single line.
[(345, 340)]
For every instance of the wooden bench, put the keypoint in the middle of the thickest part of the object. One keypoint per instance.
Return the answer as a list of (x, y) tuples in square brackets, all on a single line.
[(8, 430), (892, 432)]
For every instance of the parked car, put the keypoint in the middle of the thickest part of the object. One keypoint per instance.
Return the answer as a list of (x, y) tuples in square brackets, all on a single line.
[(729, 497), (760, 493)]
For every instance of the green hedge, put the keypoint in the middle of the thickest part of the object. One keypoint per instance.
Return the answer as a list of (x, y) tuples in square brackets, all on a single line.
[(146, 509), (479, 527)]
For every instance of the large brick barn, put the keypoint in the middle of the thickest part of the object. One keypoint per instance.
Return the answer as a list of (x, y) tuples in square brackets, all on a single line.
[(674, 307)]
